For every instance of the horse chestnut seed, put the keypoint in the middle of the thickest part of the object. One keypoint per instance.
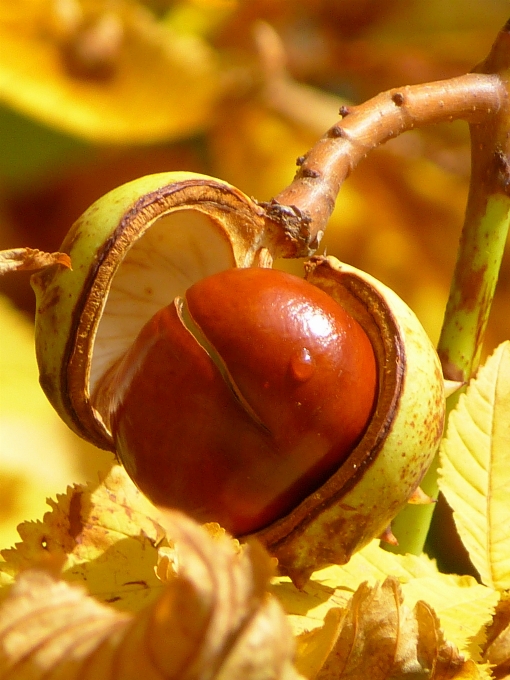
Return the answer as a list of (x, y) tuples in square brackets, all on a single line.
[(239, 400)]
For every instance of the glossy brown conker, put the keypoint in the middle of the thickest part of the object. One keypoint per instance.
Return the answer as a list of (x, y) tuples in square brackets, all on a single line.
[(238, 401)]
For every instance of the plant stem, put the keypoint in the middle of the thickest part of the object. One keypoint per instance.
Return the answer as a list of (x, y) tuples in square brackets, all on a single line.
[(311, 196), (484, 233), (479, 258)]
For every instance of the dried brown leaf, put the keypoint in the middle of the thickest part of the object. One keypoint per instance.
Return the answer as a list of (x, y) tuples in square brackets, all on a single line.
[(234, 582), (464, 607), (471, 671), (314, 646), (214, 620), (497, 648), (381, 638), (30, 259), (433, 652), (46, 624)]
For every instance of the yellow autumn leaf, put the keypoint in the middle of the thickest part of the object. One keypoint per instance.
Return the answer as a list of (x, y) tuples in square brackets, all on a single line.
[(316, 611), (464, 608), (105, 537), (475, 469), (380, 637), (372, 564), (314, 646), (109, 73), (497, 648), (213, 620), (38, 613), (332, 587)]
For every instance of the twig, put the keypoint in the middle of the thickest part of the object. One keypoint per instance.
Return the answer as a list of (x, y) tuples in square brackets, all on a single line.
[(472, 97)]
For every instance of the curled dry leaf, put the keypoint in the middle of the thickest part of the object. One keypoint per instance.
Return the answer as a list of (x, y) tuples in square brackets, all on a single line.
[(497, 649), (379, 637), (214, 619), (464, 606), (30, 259), (247, 634), (36, 633)]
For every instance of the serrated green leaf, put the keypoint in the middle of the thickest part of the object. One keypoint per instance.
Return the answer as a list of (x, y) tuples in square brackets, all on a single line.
[(475, 469)]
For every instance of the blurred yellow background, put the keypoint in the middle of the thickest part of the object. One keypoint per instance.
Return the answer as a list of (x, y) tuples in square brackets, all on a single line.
[(94, 93)]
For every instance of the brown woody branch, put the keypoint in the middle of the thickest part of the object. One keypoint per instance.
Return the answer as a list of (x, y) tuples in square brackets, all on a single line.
[(310, 198)]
